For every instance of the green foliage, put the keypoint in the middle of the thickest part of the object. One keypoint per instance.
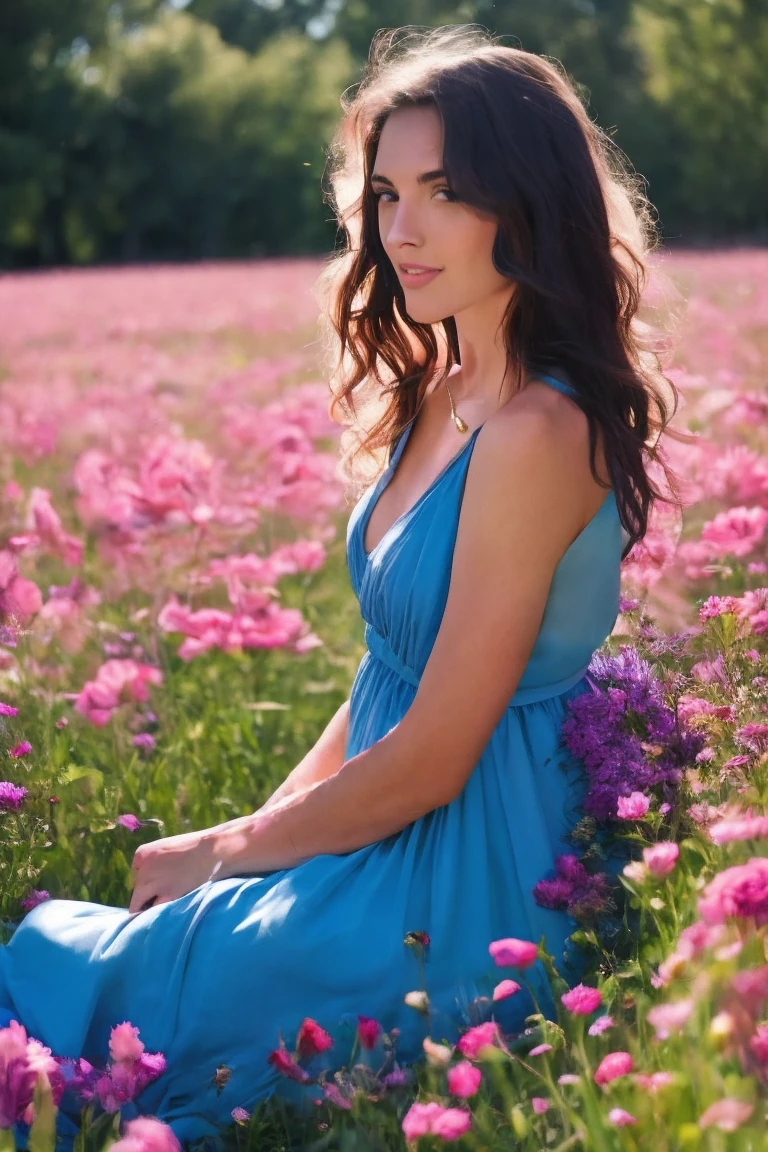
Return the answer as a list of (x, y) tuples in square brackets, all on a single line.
[(138, 131)]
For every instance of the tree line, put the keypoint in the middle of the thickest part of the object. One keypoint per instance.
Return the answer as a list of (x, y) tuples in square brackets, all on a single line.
[(154, 130)]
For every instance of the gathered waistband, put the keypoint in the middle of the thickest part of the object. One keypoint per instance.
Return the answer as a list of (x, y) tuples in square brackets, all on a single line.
[(379, 647)]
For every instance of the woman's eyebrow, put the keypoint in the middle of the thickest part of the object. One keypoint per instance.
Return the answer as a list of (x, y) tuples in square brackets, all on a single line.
[(423, 178)]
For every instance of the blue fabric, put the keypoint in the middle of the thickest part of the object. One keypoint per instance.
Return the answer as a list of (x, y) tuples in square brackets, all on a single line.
[(217, 976)]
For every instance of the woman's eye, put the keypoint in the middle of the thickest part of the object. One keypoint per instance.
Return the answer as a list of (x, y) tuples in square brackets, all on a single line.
[(378, 195)]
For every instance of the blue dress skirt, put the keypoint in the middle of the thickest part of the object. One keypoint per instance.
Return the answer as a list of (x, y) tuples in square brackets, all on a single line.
[(219, 976)]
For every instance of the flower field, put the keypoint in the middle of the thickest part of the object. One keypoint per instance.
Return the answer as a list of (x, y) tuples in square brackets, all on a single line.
[(177, 627)]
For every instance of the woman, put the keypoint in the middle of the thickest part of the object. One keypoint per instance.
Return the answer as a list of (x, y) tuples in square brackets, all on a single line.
[(510, 378)]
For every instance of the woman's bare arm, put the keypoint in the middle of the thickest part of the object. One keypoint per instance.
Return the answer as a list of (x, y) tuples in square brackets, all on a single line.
[(324, 759)]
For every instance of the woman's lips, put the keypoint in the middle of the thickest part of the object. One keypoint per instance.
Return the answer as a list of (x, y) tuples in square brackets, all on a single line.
[(418, 279)]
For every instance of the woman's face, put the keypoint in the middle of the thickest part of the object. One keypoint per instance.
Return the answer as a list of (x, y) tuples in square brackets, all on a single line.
[(420, 223)]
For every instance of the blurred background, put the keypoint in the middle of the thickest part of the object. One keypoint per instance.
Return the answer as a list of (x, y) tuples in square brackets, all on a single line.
[(151, 131)]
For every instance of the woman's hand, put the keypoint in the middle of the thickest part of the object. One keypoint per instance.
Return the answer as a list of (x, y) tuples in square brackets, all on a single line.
[(171, 867)]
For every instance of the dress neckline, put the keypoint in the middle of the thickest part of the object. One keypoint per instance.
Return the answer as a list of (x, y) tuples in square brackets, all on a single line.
[(385, 479), (389, 471)]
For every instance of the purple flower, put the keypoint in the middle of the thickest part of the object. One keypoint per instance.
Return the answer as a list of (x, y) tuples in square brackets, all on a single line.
[(11, 796), (129, 821), (8, 710), (625, 735), (21, 749), (580, 893), (145, 741), (34, 898)]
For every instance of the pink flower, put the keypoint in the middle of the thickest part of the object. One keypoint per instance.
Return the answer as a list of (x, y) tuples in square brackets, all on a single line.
[(738, 891), (451, 1124), (434, 1120), (758, 1043), (124, 1044), (312, 1039), (513, 953), (49, 531), (540, 1104), (727, 1114), (633, 807), (539, 1049), (17, 1077), (715, 606), (668, 1018), (735, 532), (612, 1066), (129, 821), (582, 1000), (505, 988), (8, 710), (475, 1039), (145, 1134), (661, 858), (22, 749), (620, 1117), (368, 1031), (739, 828), (116, 681), (287, 1066), (240, 1116), (651, 1083), (597, 1027), (464, 1079)]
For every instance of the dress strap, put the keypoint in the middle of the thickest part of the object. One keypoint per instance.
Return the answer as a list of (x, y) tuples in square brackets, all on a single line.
[(560, 385)]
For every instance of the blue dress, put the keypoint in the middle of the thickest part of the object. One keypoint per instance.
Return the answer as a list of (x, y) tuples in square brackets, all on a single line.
[(218, 976)]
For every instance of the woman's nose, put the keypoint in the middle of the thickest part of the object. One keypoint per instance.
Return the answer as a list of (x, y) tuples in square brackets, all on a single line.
[(403, 225)]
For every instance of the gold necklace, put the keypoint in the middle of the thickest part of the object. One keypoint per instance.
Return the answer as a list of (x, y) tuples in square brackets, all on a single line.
[(458, 421)]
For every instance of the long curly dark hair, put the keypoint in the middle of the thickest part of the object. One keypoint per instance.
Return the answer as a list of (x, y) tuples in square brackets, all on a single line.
[(574, 233)]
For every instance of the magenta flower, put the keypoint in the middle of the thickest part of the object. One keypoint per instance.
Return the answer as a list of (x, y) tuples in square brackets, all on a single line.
[(312, 1039), (129, 821), (475, 1039), (540, 1104), (240, 1115), (11, 796), (661, 858), (17, 1077), (738, 891), (540, 1049), (612, 1066), (282, 1060), (582, 1000), (34, 898), (505, 988), (22, 749), (513, 953), (464, 1079), (602, 1024), (432, 1119), (368, 1031), (8, 710), (145, 1134)]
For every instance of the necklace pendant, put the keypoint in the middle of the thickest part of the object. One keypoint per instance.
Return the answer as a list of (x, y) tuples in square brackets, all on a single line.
[(460, 424)]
